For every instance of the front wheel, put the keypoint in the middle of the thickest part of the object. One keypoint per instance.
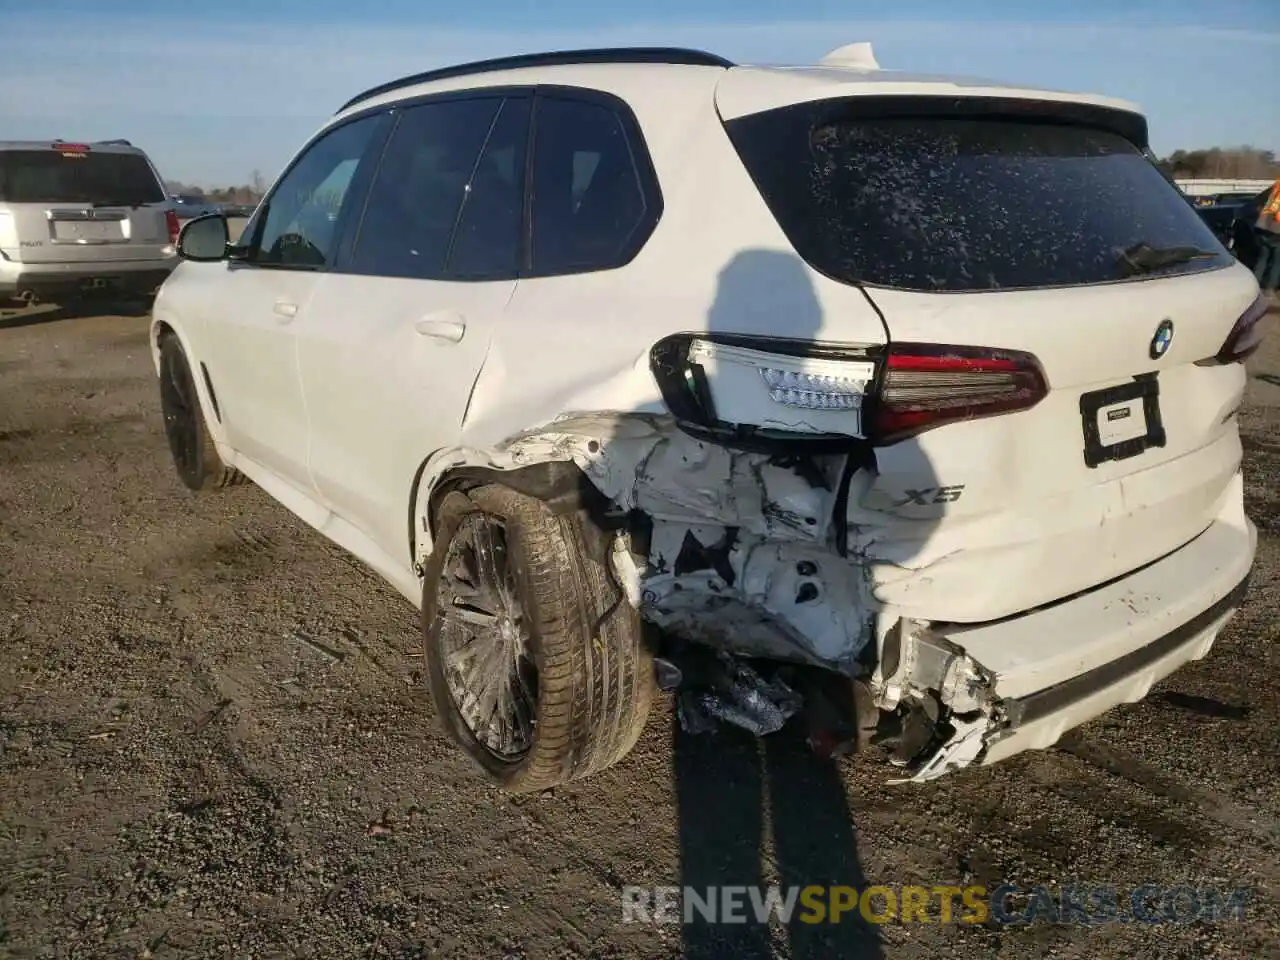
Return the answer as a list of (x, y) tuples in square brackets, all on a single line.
[(194, 455), (534, 658)]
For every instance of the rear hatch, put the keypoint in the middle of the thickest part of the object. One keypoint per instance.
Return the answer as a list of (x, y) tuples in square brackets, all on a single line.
[(67, 203), (1049, 414)]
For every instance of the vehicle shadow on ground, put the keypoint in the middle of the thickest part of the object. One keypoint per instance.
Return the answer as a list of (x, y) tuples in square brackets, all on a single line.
[(733, 791), (739, 796), (52, 313)]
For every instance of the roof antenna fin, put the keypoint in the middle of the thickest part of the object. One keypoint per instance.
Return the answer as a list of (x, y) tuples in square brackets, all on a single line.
[(852, 56)]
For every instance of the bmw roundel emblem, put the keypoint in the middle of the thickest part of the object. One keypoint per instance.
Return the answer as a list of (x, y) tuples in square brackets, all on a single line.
[(1163, 337)]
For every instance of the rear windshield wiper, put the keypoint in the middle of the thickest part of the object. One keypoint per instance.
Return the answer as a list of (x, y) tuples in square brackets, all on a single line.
[(1143, 258)]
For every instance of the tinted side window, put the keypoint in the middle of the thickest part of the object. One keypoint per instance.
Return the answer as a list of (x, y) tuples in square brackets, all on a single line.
[(589, 201), (487, 242), (417, 195), (300, 229)]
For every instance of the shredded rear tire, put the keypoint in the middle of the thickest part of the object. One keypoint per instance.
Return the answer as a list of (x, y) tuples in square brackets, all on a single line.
[(594, 674)]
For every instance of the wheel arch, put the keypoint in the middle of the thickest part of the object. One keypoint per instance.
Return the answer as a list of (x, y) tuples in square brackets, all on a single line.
[(162, 328), (560, 484), (159, 330)]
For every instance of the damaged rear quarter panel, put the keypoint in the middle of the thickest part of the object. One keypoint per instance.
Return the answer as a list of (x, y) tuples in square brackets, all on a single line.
[(741, 557), (740, 552), (742, 549)]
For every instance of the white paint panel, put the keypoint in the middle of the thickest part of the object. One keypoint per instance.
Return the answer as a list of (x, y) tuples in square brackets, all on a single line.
[(1029, 500), (1036, 651)]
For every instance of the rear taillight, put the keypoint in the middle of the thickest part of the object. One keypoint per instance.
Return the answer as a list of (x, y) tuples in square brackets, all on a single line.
[(171, 221), (1245, 337), (927, 385)]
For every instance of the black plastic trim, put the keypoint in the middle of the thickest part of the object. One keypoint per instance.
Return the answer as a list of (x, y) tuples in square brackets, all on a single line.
[(561, 485), (526, 211), (213, 397), (523, 101), (671, 55), (349, 227), (351, 236), (1144, 387), (1131, 126)]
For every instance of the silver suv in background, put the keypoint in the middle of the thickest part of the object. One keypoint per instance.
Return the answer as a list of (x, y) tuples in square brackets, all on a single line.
[(82, 218)]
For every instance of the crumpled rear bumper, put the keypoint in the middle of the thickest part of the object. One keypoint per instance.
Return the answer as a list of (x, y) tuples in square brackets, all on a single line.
[(1051, 670), (739, 551), (1040, 719)]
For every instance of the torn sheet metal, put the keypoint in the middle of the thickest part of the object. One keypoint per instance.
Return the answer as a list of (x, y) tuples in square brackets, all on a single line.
[(915, 662), (919, 670), (740, 557), (961, 749), (740, 554), (788, 601)]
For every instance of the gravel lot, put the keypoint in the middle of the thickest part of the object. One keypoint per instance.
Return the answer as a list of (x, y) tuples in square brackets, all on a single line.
[(185, 770)]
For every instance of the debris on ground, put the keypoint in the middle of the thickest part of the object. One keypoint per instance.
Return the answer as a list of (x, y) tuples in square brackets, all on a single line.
[(737, 694)]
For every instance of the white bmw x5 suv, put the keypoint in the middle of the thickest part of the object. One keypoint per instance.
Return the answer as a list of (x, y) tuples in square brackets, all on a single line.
[(830, 392)]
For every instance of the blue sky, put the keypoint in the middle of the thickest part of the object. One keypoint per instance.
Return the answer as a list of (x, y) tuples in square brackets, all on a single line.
[(217, 90)]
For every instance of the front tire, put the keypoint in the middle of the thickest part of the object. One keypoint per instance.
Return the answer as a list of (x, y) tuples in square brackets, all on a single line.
[(534, 657), (194, 454)]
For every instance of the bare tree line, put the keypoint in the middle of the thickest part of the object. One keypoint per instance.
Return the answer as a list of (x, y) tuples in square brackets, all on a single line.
[(1222, 163), (247, 193)]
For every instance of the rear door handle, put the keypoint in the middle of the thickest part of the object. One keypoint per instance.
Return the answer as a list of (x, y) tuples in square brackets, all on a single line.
[(447, 326), (285, 311)]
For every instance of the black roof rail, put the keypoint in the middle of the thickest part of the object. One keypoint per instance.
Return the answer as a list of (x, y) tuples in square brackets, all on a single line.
[(673, 55), (116, 143)]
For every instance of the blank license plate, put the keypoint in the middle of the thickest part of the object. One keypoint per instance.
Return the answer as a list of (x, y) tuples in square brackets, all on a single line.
[(1121, 422), (88, 230)]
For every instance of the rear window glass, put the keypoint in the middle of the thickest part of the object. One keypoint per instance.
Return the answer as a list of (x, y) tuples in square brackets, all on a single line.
[(965, 203), (47, 176)]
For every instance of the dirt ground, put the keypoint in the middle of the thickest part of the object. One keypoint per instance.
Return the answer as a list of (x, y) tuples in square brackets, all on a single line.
[(214, 742)]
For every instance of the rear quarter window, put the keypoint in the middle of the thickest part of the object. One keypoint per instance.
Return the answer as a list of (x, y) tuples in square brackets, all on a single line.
[(595, 198), (965, 202)]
